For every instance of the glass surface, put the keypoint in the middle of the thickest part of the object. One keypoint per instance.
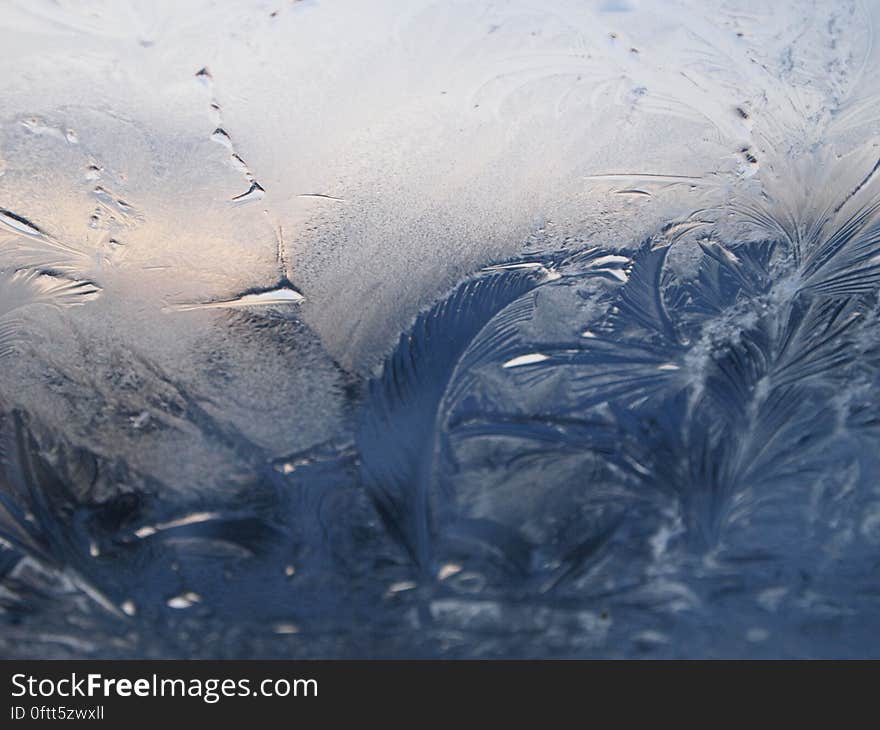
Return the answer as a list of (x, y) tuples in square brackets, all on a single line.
[(441, 329)]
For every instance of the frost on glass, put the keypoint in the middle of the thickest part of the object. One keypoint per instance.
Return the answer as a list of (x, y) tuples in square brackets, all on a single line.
[(439, 329)]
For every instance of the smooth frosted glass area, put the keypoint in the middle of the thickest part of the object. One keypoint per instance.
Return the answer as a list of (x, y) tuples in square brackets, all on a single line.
[(538, 328)]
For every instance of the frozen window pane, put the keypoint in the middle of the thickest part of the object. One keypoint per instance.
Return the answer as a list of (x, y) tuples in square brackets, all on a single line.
[(556, 321)]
